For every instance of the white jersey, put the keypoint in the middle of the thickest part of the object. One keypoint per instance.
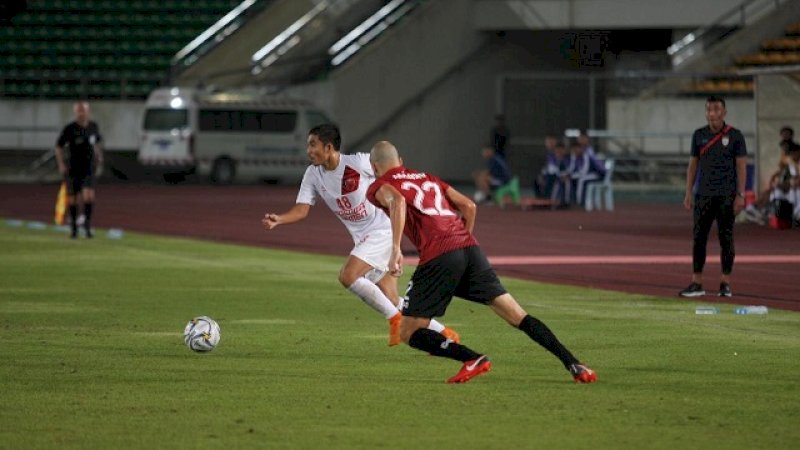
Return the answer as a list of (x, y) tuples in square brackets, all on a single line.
[(344, 190)]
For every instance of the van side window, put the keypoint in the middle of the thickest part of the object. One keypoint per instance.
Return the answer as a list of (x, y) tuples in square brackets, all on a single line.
[(278, 121), (248, 121), (251, 121), (215, 120)]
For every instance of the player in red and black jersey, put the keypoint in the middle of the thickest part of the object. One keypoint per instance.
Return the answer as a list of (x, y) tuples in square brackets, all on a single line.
[(439, 221)]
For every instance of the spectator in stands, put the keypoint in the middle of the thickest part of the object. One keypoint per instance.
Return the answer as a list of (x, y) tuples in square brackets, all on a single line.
[(549, 182), (83, 140), (783, 183), (586, 143), (787, 136), (500, 136), (495, 176), (584, 168)]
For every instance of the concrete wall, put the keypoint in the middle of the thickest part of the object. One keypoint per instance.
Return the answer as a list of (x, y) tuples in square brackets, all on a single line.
[(443, 131), (382, 79), (673, 115), (42, 121), (777, 97)]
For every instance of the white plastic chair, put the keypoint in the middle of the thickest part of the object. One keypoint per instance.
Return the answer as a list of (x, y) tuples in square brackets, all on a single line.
[(596, 192)]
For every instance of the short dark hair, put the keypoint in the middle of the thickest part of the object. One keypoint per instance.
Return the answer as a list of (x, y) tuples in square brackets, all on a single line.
[(716, 99), (788, 129), (327, 133)]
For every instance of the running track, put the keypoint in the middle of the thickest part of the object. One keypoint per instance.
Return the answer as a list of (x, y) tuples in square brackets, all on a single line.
[(639, 248)]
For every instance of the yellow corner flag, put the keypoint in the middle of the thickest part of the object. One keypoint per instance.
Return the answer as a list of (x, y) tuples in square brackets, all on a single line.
[(61, 203)]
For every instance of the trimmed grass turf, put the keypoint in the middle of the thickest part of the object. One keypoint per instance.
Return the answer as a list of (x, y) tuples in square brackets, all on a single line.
[(92, 356)]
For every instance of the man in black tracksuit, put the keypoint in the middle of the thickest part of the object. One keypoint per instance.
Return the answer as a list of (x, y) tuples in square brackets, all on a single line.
[(82, 139), (719, 155)]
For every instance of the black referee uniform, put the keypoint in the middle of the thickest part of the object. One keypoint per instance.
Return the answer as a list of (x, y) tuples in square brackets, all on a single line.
[(79, 142)]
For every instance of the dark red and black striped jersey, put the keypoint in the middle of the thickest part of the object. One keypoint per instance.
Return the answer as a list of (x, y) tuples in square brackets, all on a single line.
[(432, 224)]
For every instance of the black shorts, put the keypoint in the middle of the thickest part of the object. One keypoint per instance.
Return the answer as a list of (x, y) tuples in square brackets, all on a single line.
[(77, 182), (464, 273)]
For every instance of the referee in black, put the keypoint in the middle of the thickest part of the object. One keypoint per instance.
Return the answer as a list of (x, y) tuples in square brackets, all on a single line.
[(719, 155), (83, 141)]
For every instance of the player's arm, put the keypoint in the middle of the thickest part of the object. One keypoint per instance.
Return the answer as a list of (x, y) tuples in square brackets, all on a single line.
[(691, 174), (297, 213), (60, 143), (394, 202), (464, 205), (62, 169), (98, 154)]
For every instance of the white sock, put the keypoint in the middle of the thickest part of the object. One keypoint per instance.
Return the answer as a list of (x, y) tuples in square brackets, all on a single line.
[(371, 294), (435, 326)]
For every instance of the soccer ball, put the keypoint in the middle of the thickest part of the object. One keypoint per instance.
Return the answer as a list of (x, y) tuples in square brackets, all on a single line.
[(201, 334)]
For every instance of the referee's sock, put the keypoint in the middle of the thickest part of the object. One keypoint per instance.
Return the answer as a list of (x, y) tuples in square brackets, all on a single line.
[(437, 345), (73, 215), (87, 213), (539, 332)]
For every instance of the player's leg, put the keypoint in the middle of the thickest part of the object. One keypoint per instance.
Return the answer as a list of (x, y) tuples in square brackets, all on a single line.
[(388, 284), (703, 215), (432, 287), (352, 277), (480, 284), (506, 307), (73, 190), (725, 219), (87, 194)]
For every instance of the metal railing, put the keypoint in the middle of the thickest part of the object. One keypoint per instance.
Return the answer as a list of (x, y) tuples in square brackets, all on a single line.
[(697, 41), (216, 34)]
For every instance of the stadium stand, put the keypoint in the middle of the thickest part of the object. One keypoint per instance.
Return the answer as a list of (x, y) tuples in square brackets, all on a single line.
[(781, 51), (98, 48)]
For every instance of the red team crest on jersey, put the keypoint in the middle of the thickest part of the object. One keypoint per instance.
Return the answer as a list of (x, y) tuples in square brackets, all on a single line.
[(350, 180)]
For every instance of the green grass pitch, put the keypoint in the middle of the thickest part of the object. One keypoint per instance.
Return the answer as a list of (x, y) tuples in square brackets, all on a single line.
[(92, 356)]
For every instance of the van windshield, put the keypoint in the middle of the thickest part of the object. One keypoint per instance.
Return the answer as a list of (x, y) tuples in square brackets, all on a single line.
[(165, 119)]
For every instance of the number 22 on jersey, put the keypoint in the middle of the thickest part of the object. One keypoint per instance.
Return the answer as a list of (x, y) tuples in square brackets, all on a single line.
[(427, 188)]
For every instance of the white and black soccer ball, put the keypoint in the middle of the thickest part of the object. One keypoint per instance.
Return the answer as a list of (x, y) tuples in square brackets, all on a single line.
[(201, 334)]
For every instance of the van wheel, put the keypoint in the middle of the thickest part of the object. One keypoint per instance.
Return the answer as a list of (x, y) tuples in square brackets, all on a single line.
[(223, 171)]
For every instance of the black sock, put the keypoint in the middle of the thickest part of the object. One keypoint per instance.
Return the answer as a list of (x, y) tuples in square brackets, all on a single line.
[(87, 213), (539, 332), (73, 215), (438, 345)]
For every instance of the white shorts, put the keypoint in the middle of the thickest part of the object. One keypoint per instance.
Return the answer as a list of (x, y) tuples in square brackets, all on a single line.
[(375, 249)]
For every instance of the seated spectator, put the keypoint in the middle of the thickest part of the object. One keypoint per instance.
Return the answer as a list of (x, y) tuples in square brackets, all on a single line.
[(586, 143), (787, 136), (500, 136), (584, 168), (550, 181), (495, 180), (784, 187)]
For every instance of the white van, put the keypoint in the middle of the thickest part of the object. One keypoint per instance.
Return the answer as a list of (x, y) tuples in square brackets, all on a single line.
[(227, 136)]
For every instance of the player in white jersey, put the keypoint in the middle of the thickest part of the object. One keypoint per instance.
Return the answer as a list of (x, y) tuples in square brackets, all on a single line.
[(341, 181)]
